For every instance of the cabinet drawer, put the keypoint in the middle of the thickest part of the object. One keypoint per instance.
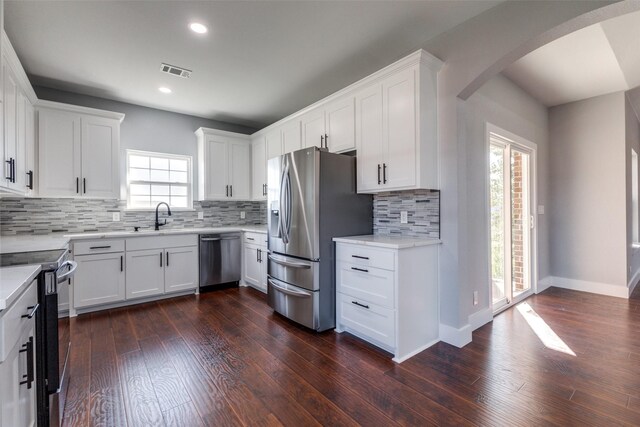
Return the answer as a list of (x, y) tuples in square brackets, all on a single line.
[(12, 323), (161, 242), (372, 284), (255, 238), (366, 256), (102, 246), (367, 320)]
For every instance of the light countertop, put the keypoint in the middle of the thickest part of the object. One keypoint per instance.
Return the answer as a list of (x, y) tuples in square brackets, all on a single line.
[(389, 242), (29, 243), (14, 280)]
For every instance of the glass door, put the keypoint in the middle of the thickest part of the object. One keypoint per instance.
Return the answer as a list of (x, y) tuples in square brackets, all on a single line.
[(511, 221)]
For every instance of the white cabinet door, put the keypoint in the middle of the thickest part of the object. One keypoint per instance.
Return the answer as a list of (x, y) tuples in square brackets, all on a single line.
[(217, 169), (313, 130), (252, 267), (21, 143), (341, 125), (100, 157), (273, 140), (239, 172), (10, 117), (27, 396), (17, 402), (30, 136), (58, 154), (145, 273), (399, 100), (369, 138), (291, 137), (99, 279), (259, 169), (181, 269)]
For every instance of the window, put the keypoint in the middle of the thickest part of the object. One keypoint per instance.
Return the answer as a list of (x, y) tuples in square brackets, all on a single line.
[(155, 177), (634, 197)]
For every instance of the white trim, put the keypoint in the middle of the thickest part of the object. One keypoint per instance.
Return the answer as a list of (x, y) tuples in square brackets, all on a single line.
[(592, 287), (41, 103), (421, 57), (480, 318), (456, 337), (414, 352), (73, 312), (202, 131), (10, 55), (633, 282), (544, 284)]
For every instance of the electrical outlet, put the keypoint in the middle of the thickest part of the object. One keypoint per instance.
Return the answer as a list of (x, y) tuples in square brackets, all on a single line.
[(475, 297), (403, 217), (242, 215), (200, 215), (540, 209), (169, 220), (116, 216)]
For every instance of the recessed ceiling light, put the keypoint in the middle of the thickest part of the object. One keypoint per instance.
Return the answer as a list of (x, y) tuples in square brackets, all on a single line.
[(198, 28), (164, 89)]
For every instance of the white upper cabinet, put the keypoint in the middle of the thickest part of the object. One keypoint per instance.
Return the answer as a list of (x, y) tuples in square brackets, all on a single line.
[(224, 161), (291, 140), (79, 151), (369, 128), (259, 169), (273, 140), (313, 130), (10, 119), (341, 125), (30, 149)]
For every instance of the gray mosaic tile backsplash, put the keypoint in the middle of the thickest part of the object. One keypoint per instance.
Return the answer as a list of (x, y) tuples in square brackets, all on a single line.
[(44, 216), (423, 213)]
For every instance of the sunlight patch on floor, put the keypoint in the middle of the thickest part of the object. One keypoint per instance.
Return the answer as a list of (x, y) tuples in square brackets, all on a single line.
[(549, 338)]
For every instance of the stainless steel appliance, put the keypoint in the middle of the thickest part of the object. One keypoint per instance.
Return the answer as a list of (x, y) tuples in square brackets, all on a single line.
[(311, 199), (219, 259), (52, 332)]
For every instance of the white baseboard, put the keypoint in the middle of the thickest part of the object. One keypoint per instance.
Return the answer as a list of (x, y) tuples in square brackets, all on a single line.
[(593, 287), (457, 337), (633, 282), (544, 284), (480, 318), (414, 352)]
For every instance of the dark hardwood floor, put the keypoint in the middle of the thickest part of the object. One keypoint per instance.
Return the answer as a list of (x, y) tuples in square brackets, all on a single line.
[(224, 359)]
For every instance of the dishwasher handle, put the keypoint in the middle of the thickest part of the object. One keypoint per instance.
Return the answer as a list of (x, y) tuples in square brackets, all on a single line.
[(215, 239)]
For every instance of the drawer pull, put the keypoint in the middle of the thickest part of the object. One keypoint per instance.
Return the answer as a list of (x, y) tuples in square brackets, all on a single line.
[(250, 238), (100, 247), (31, 313), (360, 305), (360, 257), (360, 269)]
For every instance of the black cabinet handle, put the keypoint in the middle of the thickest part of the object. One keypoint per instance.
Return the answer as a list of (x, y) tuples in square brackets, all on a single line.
[(379, 174), (100, 247), (384, 173), (30, 314), (84, 185), (321, 141), (264, 189), (257, 255), (260, 255), (9, 162), (30, 184), (360, 269), (360, 305), (226, 190), (121, 263), (160, 259), (359, 257), (77, 185), (326, 141), (28, 348), (250, 238), (231, 190), (167, 259), (13, 170)]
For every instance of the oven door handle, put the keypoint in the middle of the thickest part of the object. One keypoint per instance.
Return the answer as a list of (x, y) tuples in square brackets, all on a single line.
[(72, 269), (288, 291)]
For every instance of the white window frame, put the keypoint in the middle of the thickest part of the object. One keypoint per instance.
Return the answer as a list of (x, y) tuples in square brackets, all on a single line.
[(635, 225), (189, 184)]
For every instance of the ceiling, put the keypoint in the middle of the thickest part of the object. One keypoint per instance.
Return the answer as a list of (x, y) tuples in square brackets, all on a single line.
[(596, 60), (259, 62)]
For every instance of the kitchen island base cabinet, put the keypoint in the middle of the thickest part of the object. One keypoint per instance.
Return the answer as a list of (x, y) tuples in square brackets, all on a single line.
[(99, 279), (145, 273), (388, 296)]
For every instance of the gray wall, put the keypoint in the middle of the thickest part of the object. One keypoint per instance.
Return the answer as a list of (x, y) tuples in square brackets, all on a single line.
[(501, 103), (147, 129), (588, 197), (632, 139)]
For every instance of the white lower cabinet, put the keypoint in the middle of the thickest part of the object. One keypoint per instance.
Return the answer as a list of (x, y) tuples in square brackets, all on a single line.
[(99, 279), (254, 260), (181, 269), (388, 296), (145, 273)]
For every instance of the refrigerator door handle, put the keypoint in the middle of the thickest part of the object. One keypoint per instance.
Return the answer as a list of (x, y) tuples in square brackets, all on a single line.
[(289, 263), (289, 291)]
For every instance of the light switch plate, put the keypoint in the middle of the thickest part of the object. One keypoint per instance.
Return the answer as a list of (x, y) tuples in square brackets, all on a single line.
[(475, 297), (200, 215), (403, 217), (242, 215), (116, 216), (540, 209)]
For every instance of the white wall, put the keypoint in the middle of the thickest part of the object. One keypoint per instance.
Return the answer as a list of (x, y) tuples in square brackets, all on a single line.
[(632, 138), (503, 104), (588, 230)]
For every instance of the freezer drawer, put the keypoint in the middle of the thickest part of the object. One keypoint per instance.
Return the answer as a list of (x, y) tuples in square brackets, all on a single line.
[(297, 304), (302, 273)]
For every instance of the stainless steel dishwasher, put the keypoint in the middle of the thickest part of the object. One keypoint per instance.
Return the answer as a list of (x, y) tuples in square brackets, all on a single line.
[(219, 259)]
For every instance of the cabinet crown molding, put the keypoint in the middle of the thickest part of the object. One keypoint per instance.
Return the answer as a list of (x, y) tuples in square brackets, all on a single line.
[(41, 103), (210, 131), (14, 62)]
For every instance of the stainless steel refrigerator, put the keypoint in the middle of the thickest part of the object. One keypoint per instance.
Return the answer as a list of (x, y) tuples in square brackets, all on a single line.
[(311, 199)]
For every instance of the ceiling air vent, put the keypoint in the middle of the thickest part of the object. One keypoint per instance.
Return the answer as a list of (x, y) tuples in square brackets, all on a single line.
[(175, 71)]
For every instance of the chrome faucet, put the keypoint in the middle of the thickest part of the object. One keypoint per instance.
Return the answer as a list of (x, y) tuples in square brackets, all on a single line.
[(158, 225)]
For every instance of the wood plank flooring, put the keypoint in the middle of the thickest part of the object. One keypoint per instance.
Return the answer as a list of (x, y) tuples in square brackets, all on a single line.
[(224, 359)]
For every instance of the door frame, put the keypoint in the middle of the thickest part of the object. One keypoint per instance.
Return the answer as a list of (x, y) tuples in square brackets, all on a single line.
[(526, 145)]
